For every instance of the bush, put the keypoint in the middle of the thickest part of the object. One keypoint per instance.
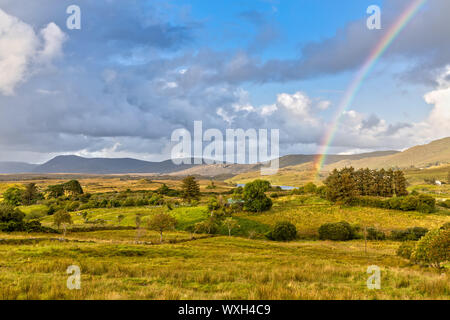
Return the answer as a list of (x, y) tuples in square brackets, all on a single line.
[(374, 234), (411, 234), (20, 226), (445, 204), (340, 231), (433, 249), (422, 203), (283, 231), (405, 250), (409, 203), (10, 213), (129, 202), (395, 203), (209, 226), (310, 188), (275, 195), (156, 200)]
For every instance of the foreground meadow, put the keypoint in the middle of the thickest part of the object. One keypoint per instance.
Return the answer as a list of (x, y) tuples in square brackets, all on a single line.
[(215, 268)]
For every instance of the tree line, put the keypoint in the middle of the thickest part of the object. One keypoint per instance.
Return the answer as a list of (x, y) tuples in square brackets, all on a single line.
[(348, 183)]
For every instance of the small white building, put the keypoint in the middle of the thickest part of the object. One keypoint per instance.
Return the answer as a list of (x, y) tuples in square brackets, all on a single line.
[(438, 183)]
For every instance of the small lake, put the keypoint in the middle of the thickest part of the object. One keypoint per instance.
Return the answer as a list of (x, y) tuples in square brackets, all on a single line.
[(282, 187)]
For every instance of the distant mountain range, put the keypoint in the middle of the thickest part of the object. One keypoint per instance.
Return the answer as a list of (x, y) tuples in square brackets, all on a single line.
[(80, 165), (434, 153), (17, 167), (75, 164)]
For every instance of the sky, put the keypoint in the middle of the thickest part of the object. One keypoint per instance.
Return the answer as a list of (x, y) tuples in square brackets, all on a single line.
[(138, 70)]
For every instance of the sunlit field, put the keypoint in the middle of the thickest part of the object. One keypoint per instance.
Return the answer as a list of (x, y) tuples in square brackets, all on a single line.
[(120, 261), (216, 268)]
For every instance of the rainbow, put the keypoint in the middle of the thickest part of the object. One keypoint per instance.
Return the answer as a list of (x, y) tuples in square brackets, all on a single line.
[(355, 85)]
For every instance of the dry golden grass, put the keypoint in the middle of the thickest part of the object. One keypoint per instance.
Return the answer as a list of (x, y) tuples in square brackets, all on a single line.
[(216, 268)]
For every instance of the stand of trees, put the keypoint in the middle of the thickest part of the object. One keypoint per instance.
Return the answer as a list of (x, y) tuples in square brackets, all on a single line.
[(16, 196), (346, 184), (71, 187)]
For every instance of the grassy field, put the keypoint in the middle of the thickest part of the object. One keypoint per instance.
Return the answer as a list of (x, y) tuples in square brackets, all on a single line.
[(215, 268), (132, 264)]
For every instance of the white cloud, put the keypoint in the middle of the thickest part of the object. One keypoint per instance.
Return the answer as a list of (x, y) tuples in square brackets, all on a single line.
[(439, 118), (22, 50), (53, 41)]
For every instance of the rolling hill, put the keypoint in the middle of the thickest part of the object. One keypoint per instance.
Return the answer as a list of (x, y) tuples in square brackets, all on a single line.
[(436, 153), (424, 156)]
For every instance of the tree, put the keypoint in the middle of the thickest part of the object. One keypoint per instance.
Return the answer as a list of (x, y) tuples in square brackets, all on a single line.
[(399, 182), (55, 191), (73, 187), (231, 224), (13, 196), (161, 222), (62, 218), (342, 186), (163, 189), (30, 194), (190, 189), (254, 195), (213, 205)]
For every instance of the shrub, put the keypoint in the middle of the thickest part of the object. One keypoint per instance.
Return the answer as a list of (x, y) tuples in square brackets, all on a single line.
[(395, 203), (283, 231), (340, 231), (310, 188), (10, 213), (374, 234), (209, 226), (409, 203), (156, 200), (445, 204), (405, 250), (433, 249), (274, 195), (322, 191), (129, 202), (411, 234), (21, 226)]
